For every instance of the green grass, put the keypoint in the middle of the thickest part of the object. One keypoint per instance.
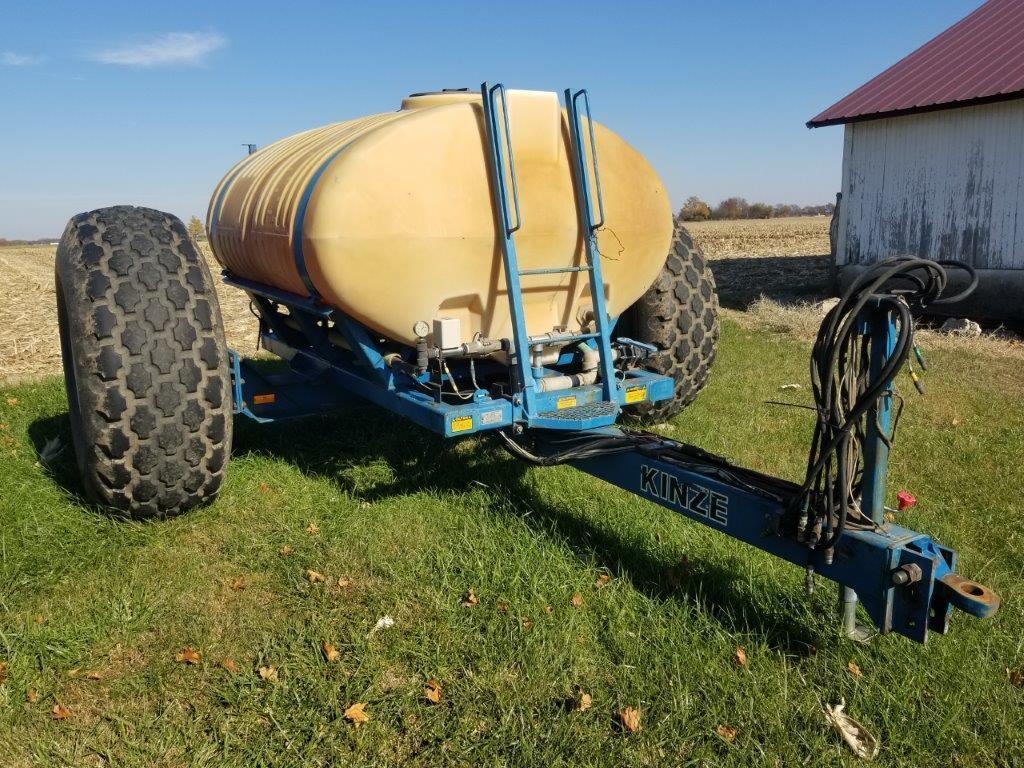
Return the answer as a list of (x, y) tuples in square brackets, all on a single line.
[(414, 522)]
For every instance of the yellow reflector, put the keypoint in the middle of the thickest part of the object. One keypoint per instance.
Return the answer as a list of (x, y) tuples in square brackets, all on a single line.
[(462, 423), (636, 394)]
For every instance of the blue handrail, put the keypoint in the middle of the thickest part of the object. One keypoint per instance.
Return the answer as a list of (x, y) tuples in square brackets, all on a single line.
[(593, 155), (489, 95)]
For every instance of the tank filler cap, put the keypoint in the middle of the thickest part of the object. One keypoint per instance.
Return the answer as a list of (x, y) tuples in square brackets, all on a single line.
[(443, 90), (439, 98)]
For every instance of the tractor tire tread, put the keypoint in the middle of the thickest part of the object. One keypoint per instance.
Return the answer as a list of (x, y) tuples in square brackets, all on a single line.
[(678, 314), (146, 365)]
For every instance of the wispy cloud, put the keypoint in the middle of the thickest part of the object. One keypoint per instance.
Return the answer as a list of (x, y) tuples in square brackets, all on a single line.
[(170, 49), (12, 59)]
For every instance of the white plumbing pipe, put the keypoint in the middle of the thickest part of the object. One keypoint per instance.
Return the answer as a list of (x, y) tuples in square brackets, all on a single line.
[(591, 359)]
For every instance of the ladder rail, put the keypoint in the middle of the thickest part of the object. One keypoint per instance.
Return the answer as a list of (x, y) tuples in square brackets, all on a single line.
[(589, 227), (499, 194)]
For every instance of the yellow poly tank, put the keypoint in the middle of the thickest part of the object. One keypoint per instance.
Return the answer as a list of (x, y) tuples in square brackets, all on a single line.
[(392, 217)]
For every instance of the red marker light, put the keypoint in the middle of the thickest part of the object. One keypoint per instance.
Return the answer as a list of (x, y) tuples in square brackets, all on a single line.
[(905, 500)]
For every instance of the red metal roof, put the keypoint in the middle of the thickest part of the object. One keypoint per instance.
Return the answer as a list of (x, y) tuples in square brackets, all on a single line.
[(978, 59)]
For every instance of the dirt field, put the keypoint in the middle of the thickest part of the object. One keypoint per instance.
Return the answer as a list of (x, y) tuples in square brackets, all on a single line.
[(769, 274), (29, 345), (786, 259)]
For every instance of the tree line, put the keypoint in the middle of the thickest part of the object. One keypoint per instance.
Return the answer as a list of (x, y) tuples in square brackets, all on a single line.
[(38, 241), (695, 209)]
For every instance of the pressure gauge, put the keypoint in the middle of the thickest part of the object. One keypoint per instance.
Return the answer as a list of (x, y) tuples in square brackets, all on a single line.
[(421, 329)]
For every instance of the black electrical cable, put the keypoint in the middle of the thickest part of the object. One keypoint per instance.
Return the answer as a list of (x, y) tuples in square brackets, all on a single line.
[(581, 446), (845, 388), (585, 445)]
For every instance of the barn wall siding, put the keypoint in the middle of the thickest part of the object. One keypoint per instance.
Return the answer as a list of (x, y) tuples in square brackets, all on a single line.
[(946, 184)]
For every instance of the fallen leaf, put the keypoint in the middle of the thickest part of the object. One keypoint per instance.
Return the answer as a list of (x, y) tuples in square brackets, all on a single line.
[(39, 618), (853, 669), (432, 690), (384, 622), (576, 600), (356, 714), (583, 701), (469, 599), (238, 584), (315, 577), (4, 427), (630, 719), (188, 655), (60, 712), (889, 517), (955, 422), (527, 623), (502, 606), (3, 672), (548, 609), (269, 674), (344, 582), (1016, 677), (264, 488), (31, 695), (330, 652), (285, 550), (602, 581), (312, 528), (12, 401), (229, 664), (726, 733), (854, 734), (740, 656)]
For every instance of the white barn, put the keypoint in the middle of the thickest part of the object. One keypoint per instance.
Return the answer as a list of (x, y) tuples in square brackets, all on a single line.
[(933, 159)]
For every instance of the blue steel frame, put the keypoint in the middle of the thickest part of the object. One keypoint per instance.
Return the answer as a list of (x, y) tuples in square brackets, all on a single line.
[(877, 323), (323, 375), (864, 561)]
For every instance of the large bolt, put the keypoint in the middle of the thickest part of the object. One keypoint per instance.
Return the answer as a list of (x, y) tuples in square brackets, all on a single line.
[(906, 574)]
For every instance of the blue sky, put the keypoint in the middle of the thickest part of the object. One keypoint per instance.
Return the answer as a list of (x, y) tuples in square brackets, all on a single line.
[(131, 102)]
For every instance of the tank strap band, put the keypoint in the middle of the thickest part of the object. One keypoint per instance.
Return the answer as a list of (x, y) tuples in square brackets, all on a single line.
[(215, 217), (300, 217)]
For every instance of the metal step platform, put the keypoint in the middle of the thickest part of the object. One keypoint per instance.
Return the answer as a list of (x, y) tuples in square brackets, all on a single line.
[(590, 416)]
